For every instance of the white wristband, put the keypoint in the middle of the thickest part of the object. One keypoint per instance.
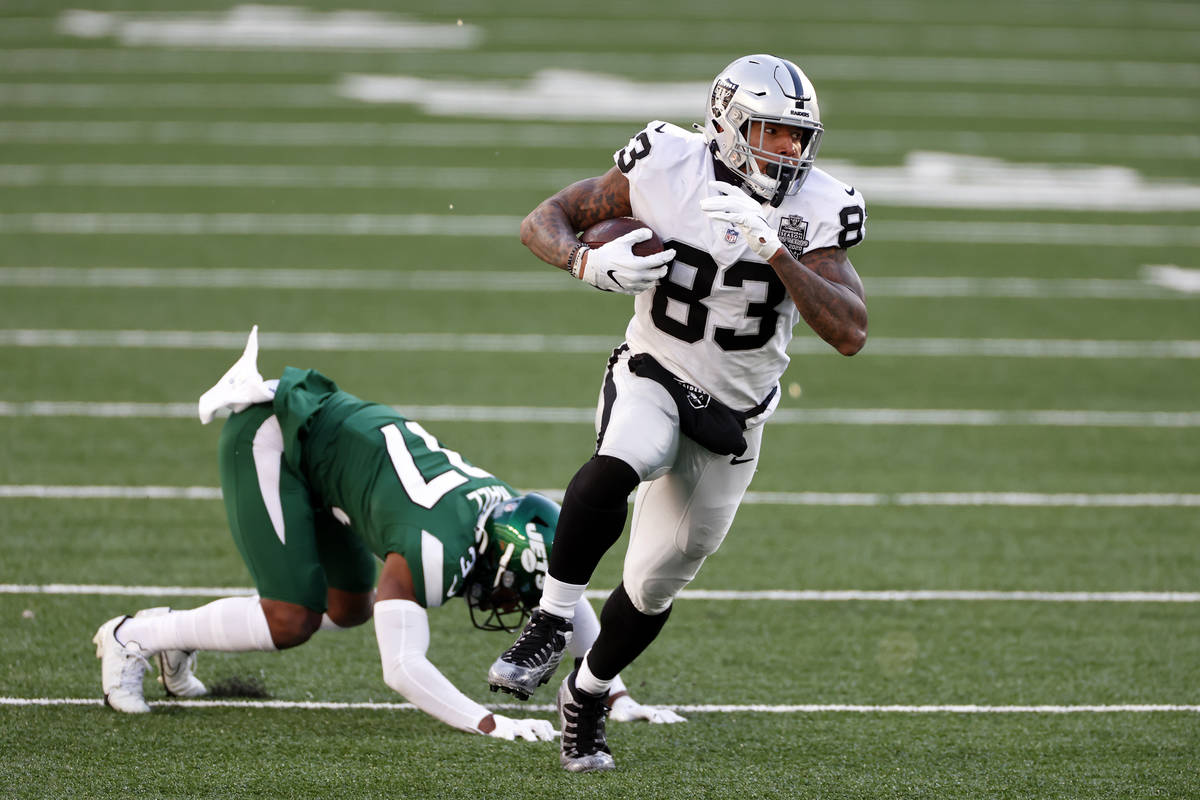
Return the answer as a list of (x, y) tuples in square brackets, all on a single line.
[(575, 260)]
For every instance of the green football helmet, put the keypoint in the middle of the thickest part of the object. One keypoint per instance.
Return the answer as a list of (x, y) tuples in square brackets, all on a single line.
[(513, 543)]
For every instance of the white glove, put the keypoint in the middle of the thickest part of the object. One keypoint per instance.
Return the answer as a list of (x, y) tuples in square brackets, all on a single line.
[(613, 267), (735, 206), (531, 730), (626, 709)]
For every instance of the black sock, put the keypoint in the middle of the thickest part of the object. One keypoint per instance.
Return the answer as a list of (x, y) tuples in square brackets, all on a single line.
[(593, 516), (624, 633)]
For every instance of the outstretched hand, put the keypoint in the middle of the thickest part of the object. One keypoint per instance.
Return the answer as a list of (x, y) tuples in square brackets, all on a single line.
[(626, 709), (531, 730)]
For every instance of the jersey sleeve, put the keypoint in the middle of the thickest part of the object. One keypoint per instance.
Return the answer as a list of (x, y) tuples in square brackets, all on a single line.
[(656, 148), (840, 218), (656, 157)]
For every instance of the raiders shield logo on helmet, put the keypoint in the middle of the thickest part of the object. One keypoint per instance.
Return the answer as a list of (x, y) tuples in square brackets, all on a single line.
[(722, 93), (792, 231)]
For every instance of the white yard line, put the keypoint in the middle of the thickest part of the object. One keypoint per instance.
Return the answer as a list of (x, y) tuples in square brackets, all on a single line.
[(272, 176), (787, 416), (780, 595), (831, 499), (338, 134), (547, 94), (1159, 285), (169, 95), (948, 69), (927, 179), (554, 135), (497, 225), (576, 343), (826, 708)]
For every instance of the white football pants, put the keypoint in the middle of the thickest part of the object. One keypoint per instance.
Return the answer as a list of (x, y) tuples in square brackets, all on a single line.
[(688, 496)]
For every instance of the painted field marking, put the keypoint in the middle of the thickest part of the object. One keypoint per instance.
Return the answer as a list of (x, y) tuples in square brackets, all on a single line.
[(575, 94), (555, 135), (267, 28), (857, 67), (1161, 281), (785, 416), (497, 225), (926, 179), (830, 499), (576, 343), (780, 595), (827, 708)]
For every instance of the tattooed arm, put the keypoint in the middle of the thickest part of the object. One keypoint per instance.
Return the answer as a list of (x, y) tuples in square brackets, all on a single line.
[(551, 229), (828, 293)]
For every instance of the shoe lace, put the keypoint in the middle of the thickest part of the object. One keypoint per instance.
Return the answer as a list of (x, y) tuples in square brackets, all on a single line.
[(536, 642), (132, 678), (585, 733)]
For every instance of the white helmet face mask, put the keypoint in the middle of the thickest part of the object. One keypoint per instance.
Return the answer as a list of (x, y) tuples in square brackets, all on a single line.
[(770, 91)]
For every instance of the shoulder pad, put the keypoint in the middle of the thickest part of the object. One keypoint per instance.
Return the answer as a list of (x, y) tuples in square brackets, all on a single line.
[(660, 144)]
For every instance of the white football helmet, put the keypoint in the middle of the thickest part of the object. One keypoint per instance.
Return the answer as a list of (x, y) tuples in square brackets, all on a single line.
[(763, 88)]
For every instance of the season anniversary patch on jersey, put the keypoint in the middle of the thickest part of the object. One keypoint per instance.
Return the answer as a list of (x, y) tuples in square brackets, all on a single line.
[(792, 233)]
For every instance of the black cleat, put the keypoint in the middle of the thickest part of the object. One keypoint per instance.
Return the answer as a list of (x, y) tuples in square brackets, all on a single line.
[(535, 655), (582, 715)]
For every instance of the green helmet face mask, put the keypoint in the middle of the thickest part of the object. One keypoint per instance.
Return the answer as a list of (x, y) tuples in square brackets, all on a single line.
[(514, 554)]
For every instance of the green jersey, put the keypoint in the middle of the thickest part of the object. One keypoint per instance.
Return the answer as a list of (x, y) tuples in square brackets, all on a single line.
[(387, 479)]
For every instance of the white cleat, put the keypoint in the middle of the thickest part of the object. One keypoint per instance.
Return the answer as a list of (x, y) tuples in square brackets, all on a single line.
[(176, 668), (240, 387), (121, 669)]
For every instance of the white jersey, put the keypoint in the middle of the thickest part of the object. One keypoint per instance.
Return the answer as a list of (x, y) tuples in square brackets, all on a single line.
[(721, 319)]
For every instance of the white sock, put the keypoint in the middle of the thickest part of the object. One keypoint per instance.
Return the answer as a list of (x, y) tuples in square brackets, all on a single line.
[(327, 624), (230, 625), (585, 681), (559, 598)]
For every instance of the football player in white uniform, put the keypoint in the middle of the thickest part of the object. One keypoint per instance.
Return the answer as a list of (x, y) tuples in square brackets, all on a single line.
[(756, 240)]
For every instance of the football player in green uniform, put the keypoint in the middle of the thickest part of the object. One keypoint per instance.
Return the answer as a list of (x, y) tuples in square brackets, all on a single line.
[(318, 484)]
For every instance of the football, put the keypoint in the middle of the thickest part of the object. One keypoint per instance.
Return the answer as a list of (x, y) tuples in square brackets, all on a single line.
[(607, 230)]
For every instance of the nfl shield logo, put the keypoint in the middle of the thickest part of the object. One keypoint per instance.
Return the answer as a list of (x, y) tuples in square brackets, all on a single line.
[(731, 235)]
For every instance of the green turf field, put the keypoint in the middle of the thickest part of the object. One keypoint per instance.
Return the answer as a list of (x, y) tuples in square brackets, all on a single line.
[(1019, 441)]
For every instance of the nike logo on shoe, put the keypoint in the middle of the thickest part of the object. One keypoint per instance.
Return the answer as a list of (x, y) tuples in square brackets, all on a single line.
[(736, 460), (850, 191)]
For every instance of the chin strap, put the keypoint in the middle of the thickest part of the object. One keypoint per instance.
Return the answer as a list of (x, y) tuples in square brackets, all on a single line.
[(722, 172), (786, 176)]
